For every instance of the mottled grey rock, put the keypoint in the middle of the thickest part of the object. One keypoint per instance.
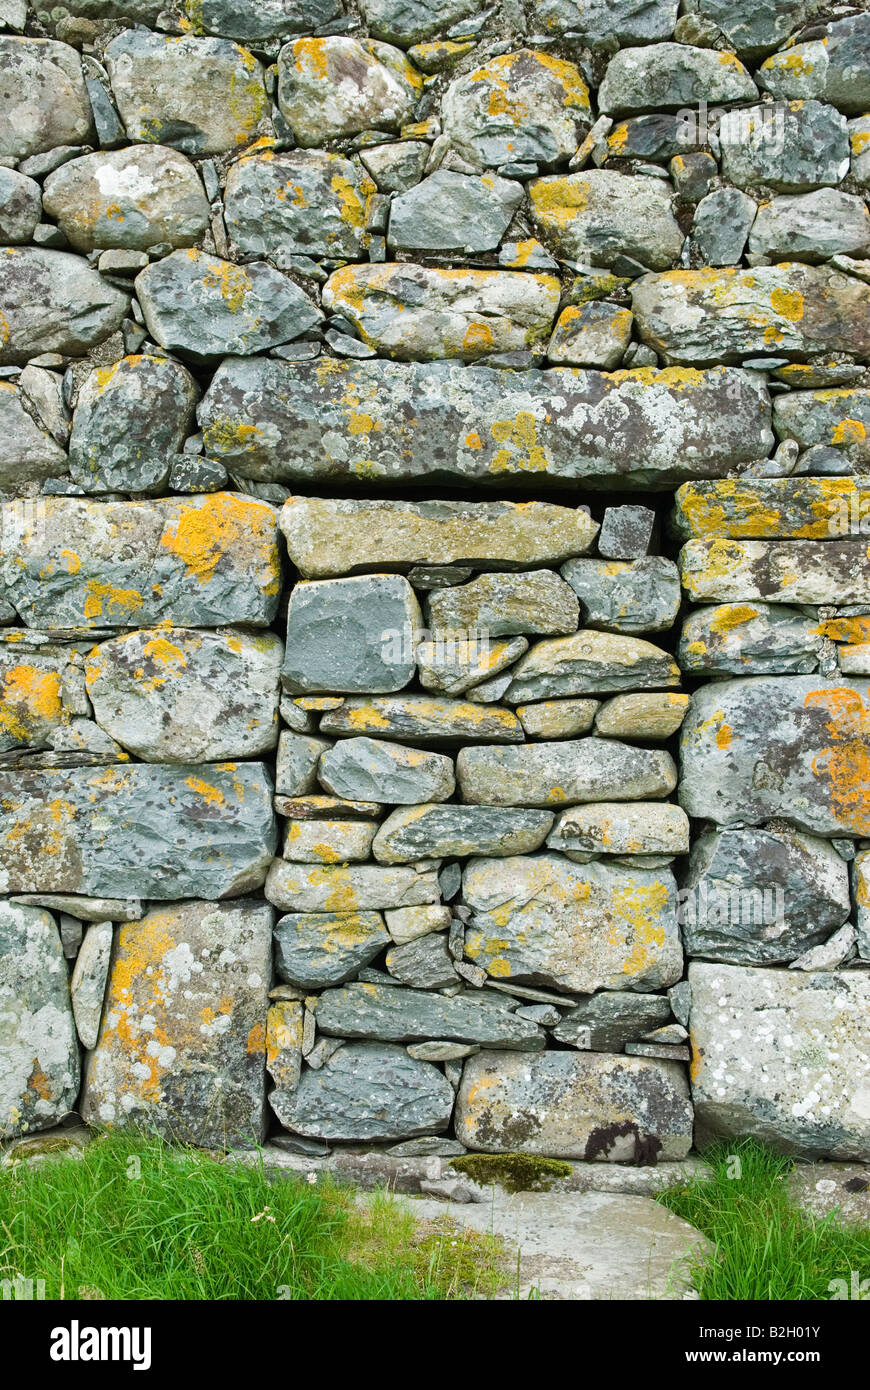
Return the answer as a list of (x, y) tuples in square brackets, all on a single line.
[(350, 887), (590, 663), (598, 215), (606, 1022), (794, 1050), (51, 301), (396, 167), (721, 224), (183, 1039), (424, 963), (544, 921), (653, 715), (525, 105), (205, 307), (424, 718), (285, 1024), (332, 87), (368, 769), (86, 909), (838, 419), (408, 21), (296, 764), (789, 746), (567, 1105), (27, 452), (559, 774), (590, 335), (188, 696), (20, 206), (811, 227), (39, 1056), (635, 428), (626, 21), (367, 1091), (135, 197), (532, 601), (129, 419), (756, 26), (198, 95), (815, 572), (43, 95), (328, 841), (626, 532), (728, 314), (860, 146), (453, 212), (757, 639), (144, 830), (408, 923), (253, 20), (626, 596), (614, 827), (790, 147), (88, 982), (834, 66), (314, 949), (836, 1191), (441, 831), (672, 75), (394, 1014), (193, 473), (860, 875), (351, 635), (830, 954), (452, 664), (557, 718), (308, 202)]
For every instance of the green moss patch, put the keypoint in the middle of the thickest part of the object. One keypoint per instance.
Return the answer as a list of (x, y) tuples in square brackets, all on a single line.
[(513, 1172)]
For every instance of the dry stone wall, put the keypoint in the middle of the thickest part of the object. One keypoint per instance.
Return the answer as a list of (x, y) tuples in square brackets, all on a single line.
[(435, 589)]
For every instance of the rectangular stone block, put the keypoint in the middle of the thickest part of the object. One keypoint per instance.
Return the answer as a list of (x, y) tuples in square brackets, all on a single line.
[(816, 509), (823, 572)]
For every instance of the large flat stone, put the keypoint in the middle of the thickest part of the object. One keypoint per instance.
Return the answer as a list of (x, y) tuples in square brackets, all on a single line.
[(350, 887), (424, 718), (628, 596), (748, 639), (790, 147), (596, 216), (455, 213), (669, 75), (823, 572), (391, 1013), (351, 635), (337, 86), (793, 508), (51, 301), (559, 774), (524, 105), (590, 663)]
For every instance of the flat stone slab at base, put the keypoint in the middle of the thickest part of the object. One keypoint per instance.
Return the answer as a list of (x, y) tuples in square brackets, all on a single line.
[(585, 1246), (840, 1190)]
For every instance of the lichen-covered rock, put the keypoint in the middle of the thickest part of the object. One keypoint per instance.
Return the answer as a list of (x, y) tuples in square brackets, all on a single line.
[(519, 106), (187, 696), (615, 827), (571, 1105), (559, 774), (28, 453), (351, 635), (626, 596), (861, 884), (590, 663), (646, 715), (732, 571), (590, 335), (774, 508), (748, 639), (51, 301), (331, 420), (182, 1046), (532, 601), (789, 746), (755, 28), (626, 21), (88, 982), (367, 1091), (761, 897), (252, 20), (31, 695), (43, 96), (198, 95), (150, 831), (838, 419), (296, 764), (20, 206), (605, 1022), (424, 718), (393, 1014), (370, 769), (454, 212), (720, 226), (454, 664), (447, 832), (39, 1055), (310, 841), (129, 419), (415, 313), (306, 202), (317, 949), (572, 927), (782, 1057), (668, 75), (344, 888), (598, 215), (859, 143), (396, 167), (205, 307), (557, 718), (332, 87), (136, 197), (730, 313), (811, 227), (792, 148), (835, 66), (409, 21)]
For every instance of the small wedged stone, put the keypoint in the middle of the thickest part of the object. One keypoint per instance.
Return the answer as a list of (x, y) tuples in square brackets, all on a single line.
[(43, 93), (590, 663), (303, 202), (351, 635), (559, 774), (368, 769), (627, 596), (441, 832), (722, 222), (88, 982), (452, 664), (748, 639), (407, 923), (328, 841), (296, 763), (860, 874), (52, 301), (815, 572), (284, 1029), (654, 716), (318, 949), (336, 86), (391, 1013), (557, 718), (771, 508), (424, 963), (306, 807), (625, 828), (598, 215), (424, 718), (20, 206), (28, 453), (590, 335), (349, 888), (86, 909)]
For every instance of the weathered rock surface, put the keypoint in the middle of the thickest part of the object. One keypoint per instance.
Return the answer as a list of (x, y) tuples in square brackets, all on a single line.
[(88, 982), (606, 1022), (558, 774), (614, 827), (308, 202), (391, 1013), (590, 663), (627, 596), (344, 888), (557, 718), (329, 841), (590, 335), (532, 601), (351, 635), (721, 224), (462, 213), (369, 769), (317, 949), (20, 206), (861, 885), (424, 718), (598, 215), (792, 149), (453, 664), (811, 227), (182, 1046), (837, 419), (249, 20), (338, 86), (627, 21), (833, 66), (642, 715), (28, 453), (748, 639), (668, 75), (43, 94), (424, 963), (443, 832), (518, 106), (51, 301), (771, 508), (729, 571)]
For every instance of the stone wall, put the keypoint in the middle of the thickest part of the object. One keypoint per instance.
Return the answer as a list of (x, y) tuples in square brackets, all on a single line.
[(435, 590)]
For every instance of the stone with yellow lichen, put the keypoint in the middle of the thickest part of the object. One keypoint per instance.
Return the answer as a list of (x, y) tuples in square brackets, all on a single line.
[(424, 718), (32, 690), (407, 923), (296, 763), (572, 1105), (750, 1025), (598, 215), (627, 596), (205, 307), (284, 1028), (624, 828), (501, 604), (859, 142), (739, 571), (525, 105), (453, 664), (370, 769), (560, 774), (330, 420), (198, 95), (338, 86), (182, 1046), (396, 167), (419, 313), (860, 875), (439, 831), (51, 301), (188, 696), (789, 146), (669, 75), (128, 421), (302, 202), (135, 198), (790, 746), (772, 508), (590, 335), (198, 561), (318, 949), (590, 663), (557, 718), (835, 66), (28, 452), (39, 1054), (749, 639), (730, 313), (545, 921), (650, 715), (344, 888), (43, 85), (855, 660), (328, 841), (839, 419), (452, 212)]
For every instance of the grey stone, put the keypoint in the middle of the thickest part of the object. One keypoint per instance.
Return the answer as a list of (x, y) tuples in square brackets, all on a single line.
[(394, 1014), (625, 21), (254, 21), (317, 949), (52, 301), (144, 830), (791, 148), (837, 419), (396, 167), (424, 718), (43, 391), (788, 746), (351, 635), (88, 983), (590, 335), (408, 923), (668, 75), (833, 1191), (368, 769), (134, 198), (440, 831), (350, 887), (296, 765), (544, 921), (204, 307), (42, 90), (794, 1050), (309, 202), (20, 206), (614, 827), (626, 596), (830, 954), (531, 601), (525, 105), (812, 227), (654, 715), (198, 95), (568, 1105), (453, 664), (758, 639), (86, 909), (166, 1058), (693, 174), (192, 473), (755, 28), (761, 897), (333, 87), (424, 963), (453, 212), (860, 875), (665, 1051), (39, 1056), (721, 224), (557, 718), (606, 1022), (832, 66), (328, 841), (626, 532), (367, 1091), (409, 21), (598, 215), (560, 774), (814, 572), (128, 420), (28, 453), (589, 662), (284, 1029)]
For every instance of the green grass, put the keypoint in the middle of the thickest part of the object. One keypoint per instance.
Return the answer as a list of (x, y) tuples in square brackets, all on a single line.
[(139, 1219), (766, 1249)]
